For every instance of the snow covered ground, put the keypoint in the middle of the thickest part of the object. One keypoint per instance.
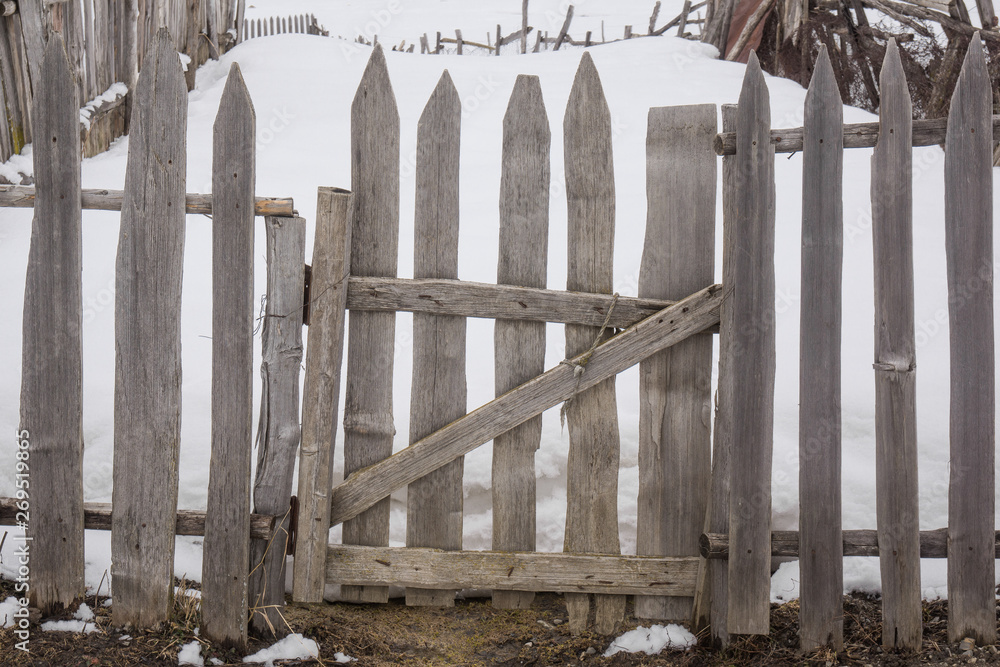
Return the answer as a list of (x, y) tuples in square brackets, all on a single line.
[(302, 87)]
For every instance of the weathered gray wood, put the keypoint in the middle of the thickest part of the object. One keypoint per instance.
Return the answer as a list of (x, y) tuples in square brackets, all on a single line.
[(524, 26), (321, 391), (753, 361), (968, 180), (591, 573), (519, 347), (562, 31), (33, 19), (666, 328), (438, 396), (148, 344), (278, 429), (821, 615), (592, 415), (711, 601), (23, 196), (51, 472), (895, 363), (368, 424), (675, 386), (227, 526)]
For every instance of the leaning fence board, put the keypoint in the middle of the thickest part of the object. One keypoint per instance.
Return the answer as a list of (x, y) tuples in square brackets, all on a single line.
[(753, 361), (321, 389), (148, 344), (668, 327), (278, 429), (895, 363), (678, 257), (519, 347), (227, 528), (821, 616), (438, 397), (591, 415), (23, 196), (558, 572), (968, 179), (50, 436), (368, 423)]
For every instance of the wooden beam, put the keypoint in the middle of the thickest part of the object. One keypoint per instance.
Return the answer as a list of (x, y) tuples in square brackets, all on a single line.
[(23, 196), (785, 544), (506, 571)]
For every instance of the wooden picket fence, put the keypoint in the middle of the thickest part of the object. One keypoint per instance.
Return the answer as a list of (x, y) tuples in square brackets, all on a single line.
[(279, 25)]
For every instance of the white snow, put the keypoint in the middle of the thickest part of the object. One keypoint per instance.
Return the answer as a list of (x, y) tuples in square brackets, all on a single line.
[(113, 92), (652, 640), (190, 654), (70, 626), (342, 657), (7, 609), (84, 613), (292, 647)]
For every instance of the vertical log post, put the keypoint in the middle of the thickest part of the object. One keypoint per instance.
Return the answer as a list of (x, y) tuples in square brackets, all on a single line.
[(148, 344), (321, 390), (438, 397), (821, 548), (368, 424), (675, 385), (895, 363), (524, 26), (49, 468), (968, 169), (753, 361), (591, 415), (519, 346)]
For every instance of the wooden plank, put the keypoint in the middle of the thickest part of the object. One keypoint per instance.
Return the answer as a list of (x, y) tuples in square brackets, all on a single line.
[(753, 361), (227, 529), (895, 363), (821, 615), (368, 423), (591, 415), (524, 26), (321, 390), (562, 31), (519, 346), (51, 440), (678, 257), (537, 572), (926, 132), (23, 196), (968, 179), (666, 328), (148, 344), (33, 17), (278, 430), (438, 396)]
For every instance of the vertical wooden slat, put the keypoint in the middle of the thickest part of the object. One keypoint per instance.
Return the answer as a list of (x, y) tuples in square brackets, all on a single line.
[(592, 415), (278, 429), (968, 165), (227, 521), (821, 549), (368, 423), (126, 42), (753, 361), (34, 32), (895, 362), (519, 347), (438, 397), (675, 385), (148, 344), (321, 390), (52, 366)]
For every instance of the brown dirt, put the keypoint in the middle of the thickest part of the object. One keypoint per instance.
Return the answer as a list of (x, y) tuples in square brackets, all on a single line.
[(473, 633)]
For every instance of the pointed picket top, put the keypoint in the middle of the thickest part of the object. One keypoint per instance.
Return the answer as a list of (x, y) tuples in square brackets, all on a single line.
[(443, 111), (586, 99), (973, 80), (375, 84), (892, 85), (56, 69), (236, 103), (57, 102), (526, 109), (823, 88)]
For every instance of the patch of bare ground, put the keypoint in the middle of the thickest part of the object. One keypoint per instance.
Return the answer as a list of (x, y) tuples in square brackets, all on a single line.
[(474, 633)]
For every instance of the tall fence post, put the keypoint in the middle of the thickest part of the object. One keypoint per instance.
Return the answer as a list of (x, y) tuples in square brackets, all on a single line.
[(675, 385), (968, 174), (49, 468)]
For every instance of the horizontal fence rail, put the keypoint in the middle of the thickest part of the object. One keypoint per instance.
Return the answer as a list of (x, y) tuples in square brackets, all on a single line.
[(785, 544), (24, 196)]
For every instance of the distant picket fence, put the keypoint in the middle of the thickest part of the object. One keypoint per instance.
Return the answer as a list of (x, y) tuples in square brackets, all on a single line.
[(305, 24), (704, 533)]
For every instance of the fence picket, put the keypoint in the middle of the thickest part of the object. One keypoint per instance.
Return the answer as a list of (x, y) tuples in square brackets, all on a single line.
[(278, 431), (969, 243), (753, 361), (678, 258), (821, 615), (368, 423), (434, 502), (519, 347), (592, 415), (51, 369), (895, 362), (148, 344)]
